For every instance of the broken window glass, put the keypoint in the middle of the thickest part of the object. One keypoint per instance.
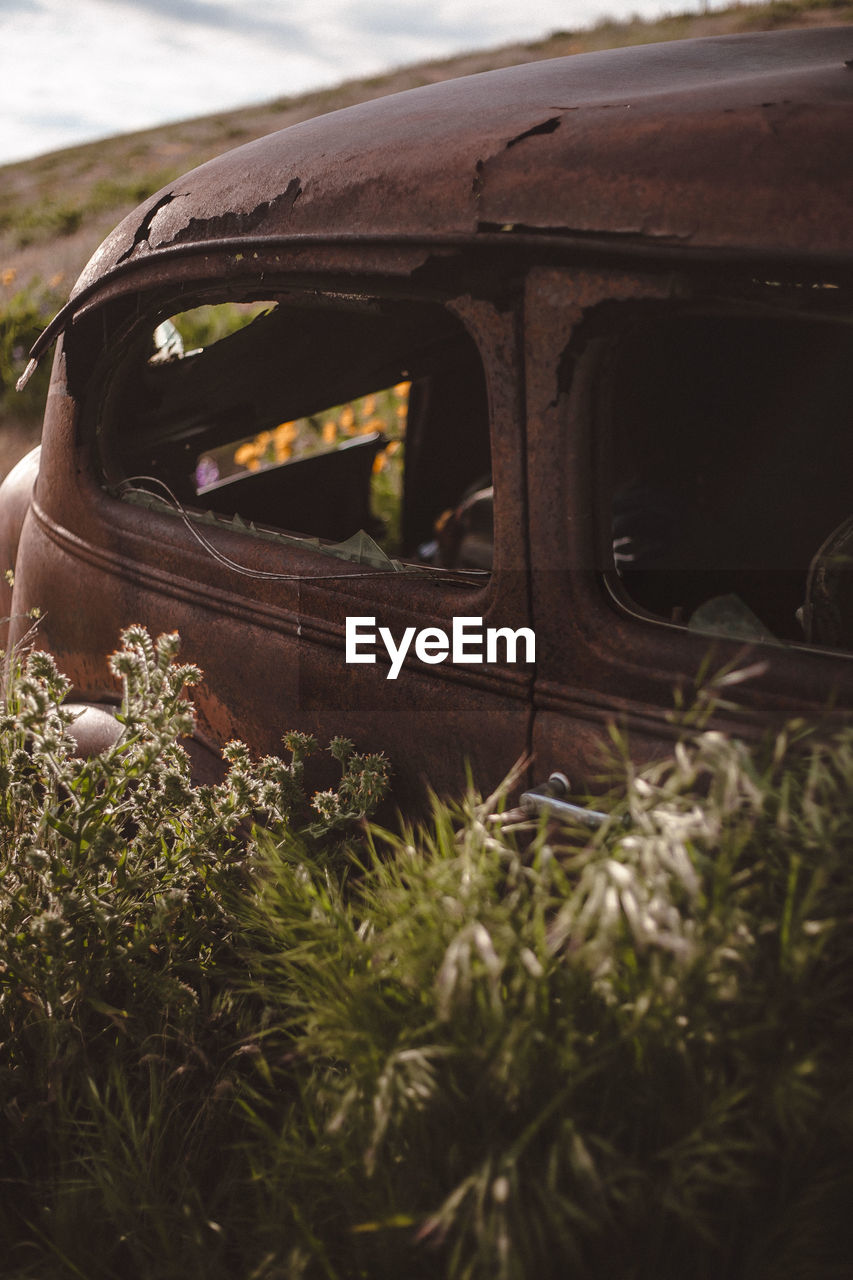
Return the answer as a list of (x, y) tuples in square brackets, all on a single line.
[(321, 418)]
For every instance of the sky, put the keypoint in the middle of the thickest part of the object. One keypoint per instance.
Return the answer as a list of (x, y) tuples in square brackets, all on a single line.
[(76, 70)]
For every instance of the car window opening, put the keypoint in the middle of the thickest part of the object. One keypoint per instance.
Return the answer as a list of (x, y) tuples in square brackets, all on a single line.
[(727, 474), (316, 424)]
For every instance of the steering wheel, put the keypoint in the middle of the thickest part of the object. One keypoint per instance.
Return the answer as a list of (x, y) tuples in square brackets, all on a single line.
[(827, 613)]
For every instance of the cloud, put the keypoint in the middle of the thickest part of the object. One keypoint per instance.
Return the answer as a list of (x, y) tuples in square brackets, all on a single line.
[(12, 7), (248, 21), (119, 65), (385, 19)]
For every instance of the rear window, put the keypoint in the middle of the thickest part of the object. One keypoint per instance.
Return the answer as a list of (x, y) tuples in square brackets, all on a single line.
[(727, 470)]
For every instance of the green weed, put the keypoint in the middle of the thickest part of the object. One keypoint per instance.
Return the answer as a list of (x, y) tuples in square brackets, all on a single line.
[(49, 219), (125, 1061), (247, 1037), (626, 1054)]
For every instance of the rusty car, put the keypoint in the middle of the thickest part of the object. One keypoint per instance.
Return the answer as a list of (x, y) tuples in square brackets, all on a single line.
[(562, 350)]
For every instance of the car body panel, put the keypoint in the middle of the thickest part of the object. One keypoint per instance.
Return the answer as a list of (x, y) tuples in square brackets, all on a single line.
[(532, 206), (650, 143)]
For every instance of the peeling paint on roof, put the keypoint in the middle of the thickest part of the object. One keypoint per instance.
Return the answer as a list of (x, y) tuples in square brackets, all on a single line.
[(734, 142)]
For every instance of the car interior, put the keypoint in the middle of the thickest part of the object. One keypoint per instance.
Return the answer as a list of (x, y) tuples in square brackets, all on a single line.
[(722, 442), (314, 417), (726, 467)]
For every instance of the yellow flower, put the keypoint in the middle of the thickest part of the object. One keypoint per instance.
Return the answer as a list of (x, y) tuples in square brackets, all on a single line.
[(246, 453), (8, 276), (379, 462), (330, 432), (285, 433), (368, 406), (402, 389), (347, 419)]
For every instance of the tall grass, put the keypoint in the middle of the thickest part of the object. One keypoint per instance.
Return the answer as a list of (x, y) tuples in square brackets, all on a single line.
[(620, 1055), (246, 1036)]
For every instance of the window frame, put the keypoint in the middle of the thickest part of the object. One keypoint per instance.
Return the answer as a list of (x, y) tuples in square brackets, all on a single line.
[(110, 387), (716, 305)]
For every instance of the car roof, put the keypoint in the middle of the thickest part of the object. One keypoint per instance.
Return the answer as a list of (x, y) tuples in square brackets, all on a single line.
[(737, 142)]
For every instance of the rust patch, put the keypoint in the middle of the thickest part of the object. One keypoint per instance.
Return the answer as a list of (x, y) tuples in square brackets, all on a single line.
[(142, 232), (547, 126), (232, 223)]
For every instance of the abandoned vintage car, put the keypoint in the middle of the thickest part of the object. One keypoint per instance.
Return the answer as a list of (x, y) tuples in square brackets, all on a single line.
[(564, 349)]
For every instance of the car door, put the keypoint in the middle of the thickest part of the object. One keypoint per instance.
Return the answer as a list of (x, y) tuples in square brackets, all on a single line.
[(689, 464), (223, 490)]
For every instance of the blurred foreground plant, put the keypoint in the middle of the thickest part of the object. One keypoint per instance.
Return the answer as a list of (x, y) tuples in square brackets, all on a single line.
[(626, 1054), (248, 1037)]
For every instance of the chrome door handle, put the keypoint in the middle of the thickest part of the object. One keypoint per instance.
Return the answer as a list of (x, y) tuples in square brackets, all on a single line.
[(549, 797)]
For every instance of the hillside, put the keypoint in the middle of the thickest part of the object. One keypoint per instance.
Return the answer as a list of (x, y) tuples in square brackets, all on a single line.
[(55, 209)]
